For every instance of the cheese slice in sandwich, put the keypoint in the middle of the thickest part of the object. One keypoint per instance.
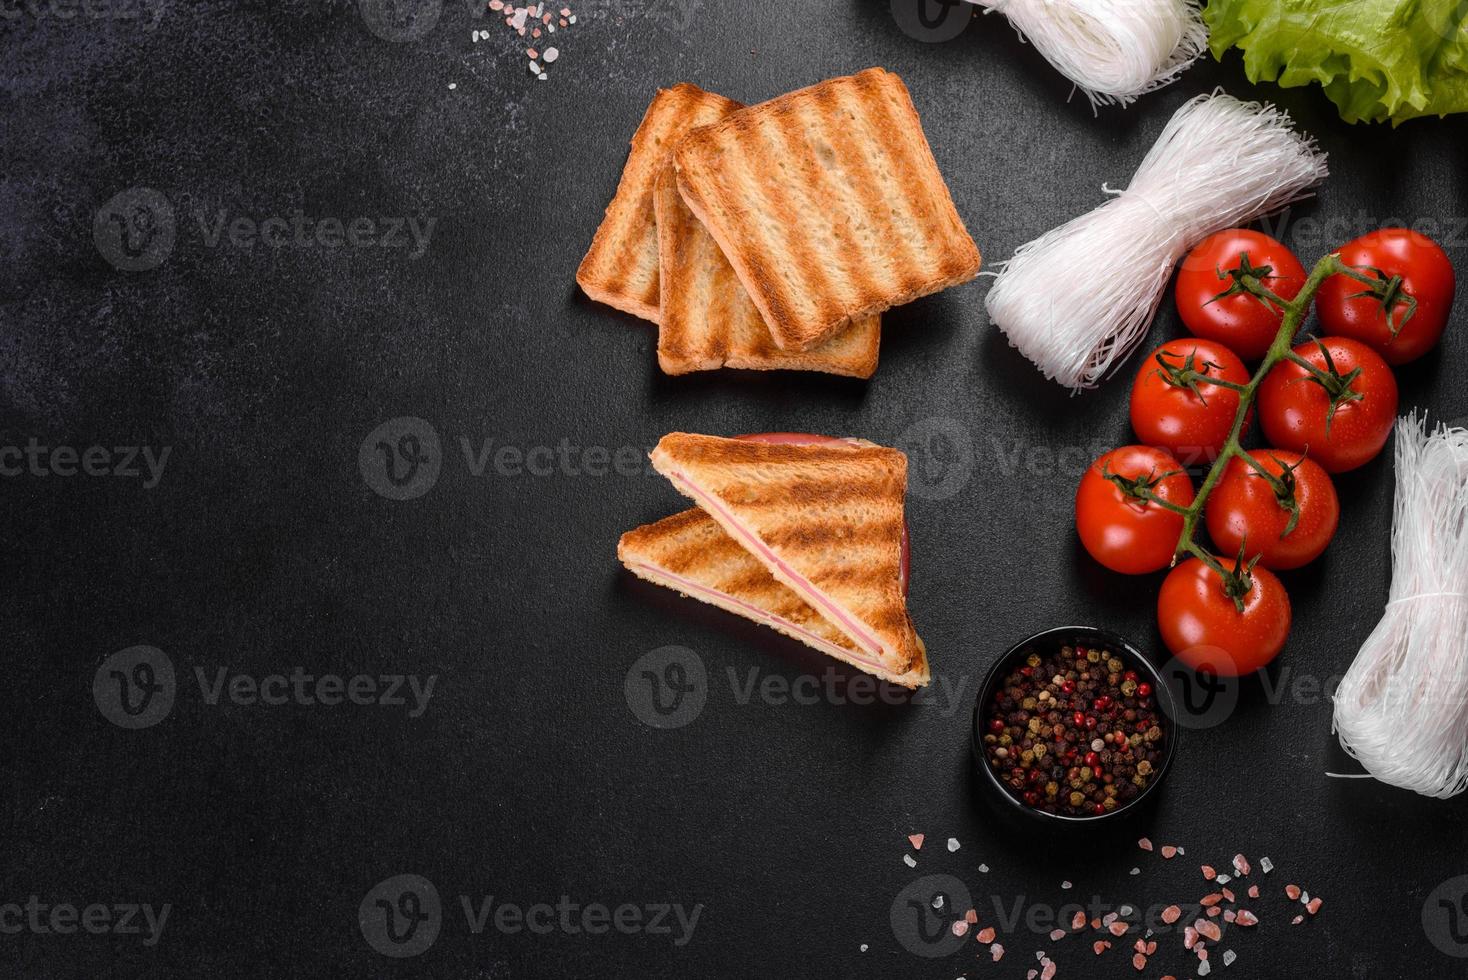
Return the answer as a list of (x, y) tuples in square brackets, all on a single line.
[(825, 520), (691, 554)]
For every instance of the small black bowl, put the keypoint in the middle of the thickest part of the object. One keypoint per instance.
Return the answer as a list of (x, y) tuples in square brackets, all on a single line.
[(1054, 639)]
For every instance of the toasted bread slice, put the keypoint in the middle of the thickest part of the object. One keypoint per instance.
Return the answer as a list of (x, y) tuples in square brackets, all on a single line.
[(691, 554), (826, 521), (621, 267), (828, 204), (707, 320)]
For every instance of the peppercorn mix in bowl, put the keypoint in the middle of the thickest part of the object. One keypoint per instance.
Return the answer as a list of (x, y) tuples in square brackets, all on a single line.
[(1073, 725)]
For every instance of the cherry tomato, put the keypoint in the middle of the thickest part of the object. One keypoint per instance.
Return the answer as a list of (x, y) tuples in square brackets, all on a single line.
[(1121, 531), (806, 439), (1294, 406), (1415, 270), (1245, 509), (1240, 320), (1177, 411), (1203, 628)]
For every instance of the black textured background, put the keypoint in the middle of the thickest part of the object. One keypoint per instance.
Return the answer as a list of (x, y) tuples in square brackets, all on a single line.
[(528, 777)]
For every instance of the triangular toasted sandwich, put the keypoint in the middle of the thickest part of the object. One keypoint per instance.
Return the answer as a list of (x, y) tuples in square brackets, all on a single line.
[(825, 521), (691, 554)]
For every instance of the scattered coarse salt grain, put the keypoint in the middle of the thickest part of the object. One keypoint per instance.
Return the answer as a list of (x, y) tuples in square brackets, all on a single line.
[(1139, 961), (1204, 969), (1247, 918), (1208, 930), (1253, 891), (1078, 921), (531, 53), (1168, 851), (534, 68), (1048, 969), (972, 915), (1056, 935), (1241, 864), (1297, 920), (1100, 946), (1228, 895), (916, 840), (952, 841), (863, 947), (1229, 915), (453, 85), (551, 54), (1224, 879), (1266, 865), (1313, 906), (1229, 956), (960, 927), (1145, 844), (1065, 885), (938, 902), (986, 935), (1209, 873), (1136, 871), (996, 951), (1171, 914), (983, 869), (908, 860), (1118, 928)]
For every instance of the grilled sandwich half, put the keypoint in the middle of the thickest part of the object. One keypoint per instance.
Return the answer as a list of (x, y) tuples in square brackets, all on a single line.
[(707, 321), (621, 267), (825, 521), (828, 204)]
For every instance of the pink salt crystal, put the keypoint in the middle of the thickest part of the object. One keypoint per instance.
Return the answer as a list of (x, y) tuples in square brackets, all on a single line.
[(1145, 844), (1171, 914), (1139, 961), (1140, 946), (960, 927), (1241, 864), (1100, 946), (1227, 894), (916, 840), (1297, 920), (986, 934), (1118, 928), (1229, 915), (1078, 921), (1056, 934), (1247, 918), (1049, 969), (1190, 936), (1293, 891), (1031, 974), (1253, 891), (1209, 873), (972, 916), (1168, 851), (1208, 930), (1314, 906), (996, 951), (532, 53), (1214, 912)]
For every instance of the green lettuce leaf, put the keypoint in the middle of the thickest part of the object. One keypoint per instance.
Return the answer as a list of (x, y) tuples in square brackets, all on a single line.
[(1375, 59)]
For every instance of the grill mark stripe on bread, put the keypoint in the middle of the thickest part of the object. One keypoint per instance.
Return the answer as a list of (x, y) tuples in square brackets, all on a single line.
[(860, 594), (756, 238), (620, 267)]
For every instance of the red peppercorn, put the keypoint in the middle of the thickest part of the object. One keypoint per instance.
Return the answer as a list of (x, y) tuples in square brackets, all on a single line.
[(1079, 719), (1144, 689), (1102, 703), (1092, 759), (1090, 721), (1097, 771), (1069, 687), (1098, 809), (1032, 798), (1130, 675), (996, 725)]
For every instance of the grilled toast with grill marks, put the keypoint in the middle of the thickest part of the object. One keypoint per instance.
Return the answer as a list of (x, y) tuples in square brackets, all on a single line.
[(691, 554), (826, 520), (621, 267), (707, 321), (828, 203)]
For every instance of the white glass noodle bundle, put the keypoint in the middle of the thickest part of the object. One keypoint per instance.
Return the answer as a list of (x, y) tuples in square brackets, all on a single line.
[(1114, 50), (1079, 298), (1402, 708)]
